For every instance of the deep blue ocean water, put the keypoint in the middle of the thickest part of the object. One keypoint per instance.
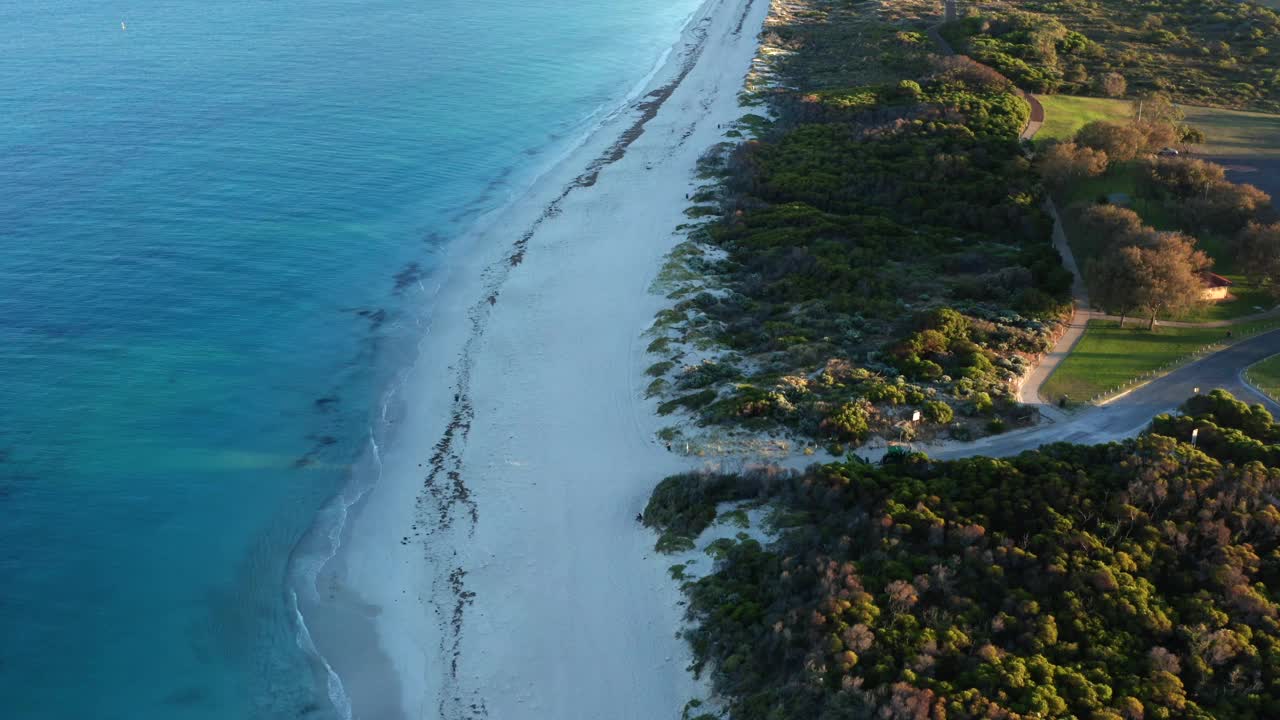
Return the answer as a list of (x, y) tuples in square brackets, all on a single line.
[(219, 229)]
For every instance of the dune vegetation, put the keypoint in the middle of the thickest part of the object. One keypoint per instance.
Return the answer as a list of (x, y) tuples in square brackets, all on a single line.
[(1129, 580), (1216, 53), (877, 249)]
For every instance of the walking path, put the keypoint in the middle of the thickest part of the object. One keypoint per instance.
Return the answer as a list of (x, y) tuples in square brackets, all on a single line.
[(1037, 116), (1029, 389)]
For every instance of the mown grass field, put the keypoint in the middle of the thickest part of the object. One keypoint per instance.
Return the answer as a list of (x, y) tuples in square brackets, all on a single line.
[(1065, 114), (1230, 133), (1235, 133), (1109, 356), (1266, 376)]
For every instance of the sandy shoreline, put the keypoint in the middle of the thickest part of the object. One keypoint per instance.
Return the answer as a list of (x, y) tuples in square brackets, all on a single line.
[(496, 569)]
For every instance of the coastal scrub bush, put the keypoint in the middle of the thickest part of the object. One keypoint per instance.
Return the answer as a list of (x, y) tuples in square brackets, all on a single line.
[(1128, 580), (685, 504), (693, 401), (887, 219), (850, 422), (982, 403), (1209, 52), (659, 369), (938, 412), (1112, 84), (1063, 164), (707, 373)]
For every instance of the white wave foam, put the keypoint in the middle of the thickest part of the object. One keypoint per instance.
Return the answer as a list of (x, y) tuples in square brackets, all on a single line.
[(336, 692)]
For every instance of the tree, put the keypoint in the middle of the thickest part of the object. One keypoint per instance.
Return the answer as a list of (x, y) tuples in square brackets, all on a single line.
[(1157, 273), (1168, 277), (1065, 163), (1257, 250), (1112, 225), (1189, 135), (1157, 135), (1113, 84), (1226, 207), (1184, 177), (1114, 281), (1157, 108), (970, 72), (1158, 119), (1120, 142)]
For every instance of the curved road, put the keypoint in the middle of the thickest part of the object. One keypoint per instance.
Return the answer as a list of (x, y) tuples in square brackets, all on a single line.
[(1129, 414)]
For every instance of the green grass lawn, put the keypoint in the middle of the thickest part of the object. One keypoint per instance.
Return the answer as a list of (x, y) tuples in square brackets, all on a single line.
[(1065, 114), (1119, 179), (1234, 133), (1266, 376), (1229, 132), (1109, 356)]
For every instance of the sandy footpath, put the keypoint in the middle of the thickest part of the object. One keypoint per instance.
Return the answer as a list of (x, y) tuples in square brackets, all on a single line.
[(496, 570)]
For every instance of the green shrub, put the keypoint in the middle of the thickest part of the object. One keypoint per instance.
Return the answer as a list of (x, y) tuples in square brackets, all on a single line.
[(707, 373), (938, 412), (849, 423), (660, 368), (883, 392), (909, 90), (694, 401), (686, 504), (968, 585), (671, 543), (982, 403)]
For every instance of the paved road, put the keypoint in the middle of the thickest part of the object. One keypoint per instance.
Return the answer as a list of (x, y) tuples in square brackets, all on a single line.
[(1258, 170), (1129, 414)]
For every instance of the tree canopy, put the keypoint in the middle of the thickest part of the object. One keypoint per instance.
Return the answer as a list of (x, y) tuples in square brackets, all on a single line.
[(1130, 580), (1141, 269)]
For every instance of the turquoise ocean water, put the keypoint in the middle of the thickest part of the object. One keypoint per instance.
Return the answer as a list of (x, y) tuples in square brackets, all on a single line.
[(219, 230)]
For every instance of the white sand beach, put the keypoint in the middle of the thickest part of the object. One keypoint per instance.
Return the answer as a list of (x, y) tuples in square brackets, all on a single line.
[(497, 570)]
